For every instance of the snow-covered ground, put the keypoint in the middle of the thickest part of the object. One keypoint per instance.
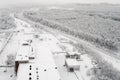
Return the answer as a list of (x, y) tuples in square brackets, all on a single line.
[(85, 65), (1, 42), (53, 43), (49, 41), (11, 48), (13, 44), (9, 75)]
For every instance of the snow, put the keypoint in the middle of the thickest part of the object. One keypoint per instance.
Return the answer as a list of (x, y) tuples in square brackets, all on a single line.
[(11, 48), (43, 61), (0, 45), (85, 65), (43, 49), (114, 61), (73, 53), (63, 39), (52, 42), (7, 75), (64, 74), (23, 53), (43, 58), (72, 62), (44, 46)]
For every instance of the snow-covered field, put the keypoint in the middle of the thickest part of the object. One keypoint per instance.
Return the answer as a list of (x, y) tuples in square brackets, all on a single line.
[(9, 75), (85, 65), (59, 56), (11, 48), (99, 25), (50, 41)]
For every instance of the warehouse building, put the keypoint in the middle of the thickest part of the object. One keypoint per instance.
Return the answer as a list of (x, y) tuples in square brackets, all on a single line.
[(73, 55), (22, 56), (72, 64), (42, 67)]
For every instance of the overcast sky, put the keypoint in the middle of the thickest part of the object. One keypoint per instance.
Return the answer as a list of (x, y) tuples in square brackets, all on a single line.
[(11, 2)]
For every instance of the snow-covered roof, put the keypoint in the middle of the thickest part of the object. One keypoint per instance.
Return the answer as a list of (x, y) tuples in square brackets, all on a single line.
[(36, 71), (73, 53), (72, 62), (23, 53), (41, 68)]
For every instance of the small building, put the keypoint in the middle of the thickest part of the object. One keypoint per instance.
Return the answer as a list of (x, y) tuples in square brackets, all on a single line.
[(72, 64), (32, 54), (26, 43), (22, 56), (26, 38), (73, 55)]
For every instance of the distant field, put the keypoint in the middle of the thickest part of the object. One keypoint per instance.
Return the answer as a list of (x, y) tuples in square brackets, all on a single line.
[(95, 23)]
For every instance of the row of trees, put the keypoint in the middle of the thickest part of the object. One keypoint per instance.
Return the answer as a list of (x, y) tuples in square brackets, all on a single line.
[(6, 21), (103, 70), (109, 44), (10, 61)]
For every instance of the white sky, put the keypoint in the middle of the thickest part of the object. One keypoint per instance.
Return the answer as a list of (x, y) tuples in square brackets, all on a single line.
[(6, 2)]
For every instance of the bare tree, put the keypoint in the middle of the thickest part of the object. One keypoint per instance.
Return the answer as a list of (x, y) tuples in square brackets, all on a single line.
[(10, 60)]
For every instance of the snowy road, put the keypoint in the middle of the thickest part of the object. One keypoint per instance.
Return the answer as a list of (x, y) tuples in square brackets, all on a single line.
[(112, 59), (52, 42)]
